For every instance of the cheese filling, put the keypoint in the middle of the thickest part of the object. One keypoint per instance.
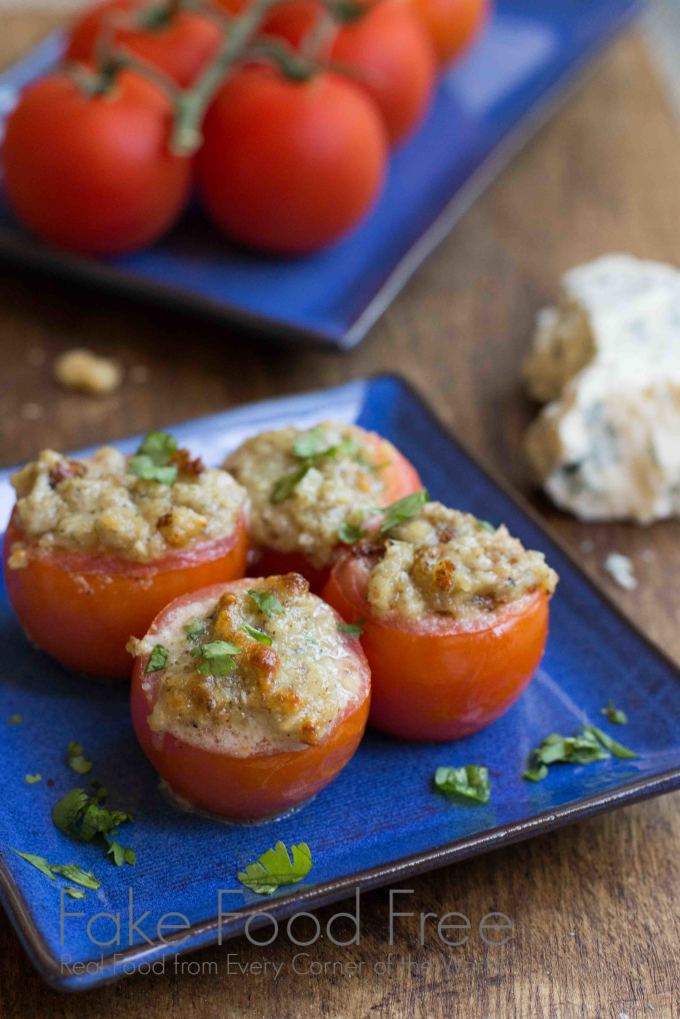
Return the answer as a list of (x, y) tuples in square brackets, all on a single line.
[(338, 485), (288, 679), (97, 505), (450, 563)]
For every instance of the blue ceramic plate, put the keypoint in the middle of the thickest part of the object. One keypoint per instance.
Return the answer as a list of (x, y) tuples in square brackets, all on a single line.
[(358, 834), (485, 108)]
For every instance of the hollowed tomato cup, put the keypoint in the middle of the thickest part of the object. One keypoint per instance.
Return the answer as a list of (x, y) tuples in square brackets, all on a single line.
[(245, 788), (435, 678), (82, 608), (400, 479)]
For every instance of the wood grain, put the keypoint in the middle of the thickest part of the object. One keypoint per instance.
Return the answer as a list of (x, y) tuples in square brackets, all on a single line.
[(595, 906)]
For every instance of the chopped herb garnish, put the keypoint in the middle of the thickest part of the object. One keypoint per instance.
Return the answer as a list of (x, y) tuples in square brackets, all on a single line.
[(71, 871), (310, 447), (583, 748), (39, 862), (471, 781), (14, 720), (217, 658), (403, 509), (152, 460), (120, 854), (77, 761), (196, 630), (348, 533), (75, 893), (311, 443), (352, 629), (287, 484), (276, 868), (83, 817), (157, 659), (267, 603), (616, 748), (614, 715), (486, 526), (536, 774), (33, 779), (258, 635)]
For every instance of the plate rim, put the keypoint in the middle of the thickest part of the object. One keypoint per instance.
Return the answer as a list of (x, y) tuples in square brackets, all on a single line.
[(108, 968)]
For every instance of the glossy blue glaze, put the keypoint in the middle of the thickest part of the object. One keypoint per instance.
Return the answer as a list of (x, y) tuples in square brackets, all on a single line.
[(382, 809), (484, 109)]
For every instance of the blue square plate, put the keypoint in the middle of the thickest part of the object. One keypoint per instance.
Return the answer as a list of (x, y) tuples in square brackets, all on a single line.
[(358, 835), (485, 108)]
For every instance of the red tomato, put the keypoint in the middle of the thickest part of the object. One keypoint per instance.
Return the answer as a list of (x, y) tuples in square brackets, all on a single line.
[(94, 173), (452, 24), (82, 608), (435, 678), (387, 47), (400, 479), (182, 45), (261, 785), (289, 167)]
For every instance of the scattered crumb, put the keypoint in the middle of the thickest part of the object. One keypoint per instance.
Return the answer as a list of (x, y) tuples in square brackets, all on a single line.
[(31, 411), (620, 568), (139, 374), (82, 370), (36, 356), (14, 720), (587, 546)]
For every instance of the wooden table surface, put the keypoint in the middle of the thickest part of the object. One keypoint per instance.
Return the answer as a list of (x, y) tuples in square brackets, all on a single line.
[(595, 906)]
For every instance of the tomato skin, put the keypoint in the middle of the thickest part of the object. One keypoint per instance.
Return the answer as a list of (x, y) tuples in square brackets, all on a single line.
[(246, 788), (289, 167), (182, 48), (452, 24), (82, 609), (400, 478), (94, 174), (449, 683), (388, 48)]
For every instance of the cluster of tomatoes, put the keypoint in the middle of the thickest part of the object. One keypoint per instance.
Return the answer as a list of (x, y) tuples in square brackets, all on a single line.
[(281, 112)]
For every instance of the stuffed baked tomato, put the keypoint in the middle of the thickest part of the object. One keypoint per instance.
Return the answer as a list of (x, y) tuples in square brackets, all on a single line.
[(313, 491), (248, 697), (96, 547), (454, 620)]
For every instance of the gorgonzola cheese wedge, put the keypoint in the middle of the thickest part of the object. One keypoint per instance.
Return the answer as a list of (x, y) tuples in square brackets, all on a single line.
[(608, 445)]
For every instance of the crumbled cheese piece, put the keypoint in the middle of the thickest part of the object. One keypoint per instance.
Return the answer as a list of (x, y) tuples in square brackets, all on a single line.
[(82, 370), (608, 445), (620, 568)]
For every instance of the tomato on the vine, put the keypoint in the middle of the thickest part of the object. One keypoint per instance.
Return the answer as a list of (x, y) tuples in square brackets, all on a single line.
[(452, 24), (386, 51), (288, 167), (179, 42), (94, 172)]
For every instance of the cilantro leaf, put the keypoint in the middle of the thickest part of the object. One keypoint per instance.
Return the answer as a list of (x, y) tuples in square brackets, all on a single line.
[(77, 760), (471, 781), (286, 485), (120, 854), (14, 720), (276, 868), (67, 811), (75, 893), (268, 604), (217, 658), (39, 862), (583, 748), (311, 443), (403, 509), (352, 629), (536, 774), (258, 635), (486, 526), (195, 630), (152, 460), (348, 533), (157, 659), (84, 818), (614, 715), (218, 649), (616, 748), (72, 872), (33, 779)]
